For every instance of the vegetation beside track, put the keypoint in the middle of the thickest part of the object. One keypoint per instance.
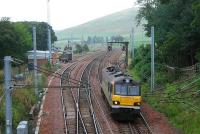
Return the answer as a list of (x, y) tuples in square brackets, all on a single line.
[(181, 108), (176, 94), (16, 38), (177, 77), (22, 101)]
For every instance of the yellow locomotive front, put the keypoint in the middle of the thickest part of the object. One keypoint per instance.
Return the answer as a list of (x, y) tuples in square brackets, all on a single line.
[(126, 96), (121, 92)]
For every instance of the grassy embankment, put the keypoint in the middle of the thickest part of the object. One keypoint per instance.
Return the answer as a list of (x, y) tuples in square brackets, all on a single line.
[(22, 101), (178, 101)]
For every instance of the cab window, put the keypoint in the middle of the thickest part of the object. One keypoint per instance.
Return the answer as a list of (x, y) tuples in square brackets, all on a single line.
[(127, 90), (120, 90), (133, 90)]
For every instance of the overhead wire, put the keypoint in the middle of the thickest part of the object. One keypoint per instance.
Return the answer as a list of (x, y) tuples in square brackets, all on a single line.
[(169, 98), (50, 72), (59, 75), (46, 71), (178, 97)]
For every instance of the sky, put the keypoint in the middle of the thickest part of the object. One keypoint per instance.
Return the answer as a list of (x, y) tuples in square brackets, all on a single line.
[(63, 13)]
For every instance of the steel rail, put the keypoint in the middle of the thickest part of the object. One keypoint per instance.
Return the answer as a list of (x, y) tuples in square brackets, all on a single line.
[(95, 121), (62, 100), (99, 80), (78, 115), (146, 123), (87, 69), (74, 99)]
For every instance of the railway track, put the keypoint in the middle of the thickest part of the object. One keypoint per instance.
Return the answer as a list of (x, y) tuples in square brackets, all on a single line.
[(139, 126), (106, 122), (68, 103), (85, 111), (86, 106), (101, 111), (77, 107)]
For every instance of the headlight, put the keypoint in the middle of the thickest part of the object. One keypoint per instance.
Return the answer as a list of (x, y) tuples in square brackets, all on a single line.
[(137, 104), (116, 103)]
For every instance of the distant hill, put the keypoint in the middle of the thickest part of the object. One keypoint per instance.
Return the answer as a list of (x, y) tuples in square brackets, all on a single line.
[(114, 24)]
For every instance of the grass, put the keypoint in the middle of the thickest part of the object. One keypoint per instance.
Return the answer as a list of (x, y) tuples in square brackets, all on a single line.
[(176, 107), (134, 74), (181, 115), (22, 101)]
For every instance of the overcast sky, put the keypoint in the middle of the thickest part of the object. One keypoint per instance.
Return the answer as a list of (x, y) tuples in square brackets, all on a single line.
[(63, 13)]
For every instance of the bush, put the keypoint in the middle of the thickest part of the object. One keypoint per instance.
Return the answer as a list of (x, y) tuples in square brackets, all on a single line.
[(197, 56), (22, 101)]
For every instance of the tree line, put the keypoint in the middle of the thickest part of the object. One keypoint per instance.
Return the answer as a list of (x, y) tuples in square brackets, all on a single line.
[(81, 48), (101, 39), (177, 29), (16, 38)]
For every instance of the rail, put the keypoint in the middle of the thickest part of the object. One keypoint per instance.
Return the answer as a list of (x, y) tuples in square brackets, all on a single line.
[(96, 123), (146, 123), (87, 92)]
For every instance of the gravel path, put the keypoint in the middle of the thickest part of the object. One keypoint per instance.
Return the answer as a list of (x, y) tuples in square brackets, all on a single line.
[(51, 116)]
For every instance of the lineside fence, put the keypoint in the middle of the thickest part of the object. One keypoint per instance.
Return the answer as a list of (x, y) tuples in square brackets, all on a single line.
[(176, 74)]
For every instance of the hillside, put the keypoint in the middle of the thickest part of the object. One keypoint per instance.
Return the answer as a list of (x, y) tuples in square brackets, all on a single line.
[(116, 23)]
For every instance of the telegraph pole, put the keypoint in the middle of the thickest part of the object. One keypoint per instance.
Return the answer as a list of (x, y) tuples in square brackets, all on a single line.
[(130, 40), (35, 62), (132, 43), (82, 44), (8, 88), (152, 60), (126, 47), (49, 42), (49, 30)]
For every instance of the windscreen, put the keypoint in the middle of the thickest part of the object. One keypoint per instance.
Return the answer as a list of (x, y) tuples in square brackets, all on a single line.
[(127, 90)]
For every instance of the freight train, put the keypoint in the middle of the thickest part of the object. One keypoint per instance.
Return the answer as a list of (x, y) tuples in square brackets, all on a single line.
[(109, 47), (67, 54), (122, 93)]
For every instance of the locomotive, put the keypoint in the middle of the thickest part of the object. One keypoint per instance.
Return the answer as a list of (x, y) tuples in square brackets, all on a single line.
[(121, 92), (67, 54), (109, 47)]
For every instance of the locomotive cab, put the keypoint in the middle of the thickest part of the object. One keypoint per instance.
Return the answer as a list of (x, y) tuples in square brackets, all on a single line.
[(121, 92), (126, 97)]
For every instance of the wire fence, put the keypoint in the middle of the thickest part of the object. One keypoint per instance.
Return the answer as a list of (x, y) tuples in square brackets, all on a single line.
[(184, 85)]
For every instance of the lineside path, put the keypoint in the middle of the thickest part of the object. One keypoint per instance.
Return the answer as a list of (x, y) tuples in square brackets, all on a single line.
[(50, 118), (51, 114), (157, 121)]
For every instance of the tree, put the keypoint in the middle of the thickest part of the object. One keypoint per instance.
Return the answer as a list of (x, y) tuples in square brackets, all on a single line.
[(25, 39), (78, 48), (41, 33), (176, 25), (85, 48), (15, 39), (89, 40), (196, 11), (196, 25)]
